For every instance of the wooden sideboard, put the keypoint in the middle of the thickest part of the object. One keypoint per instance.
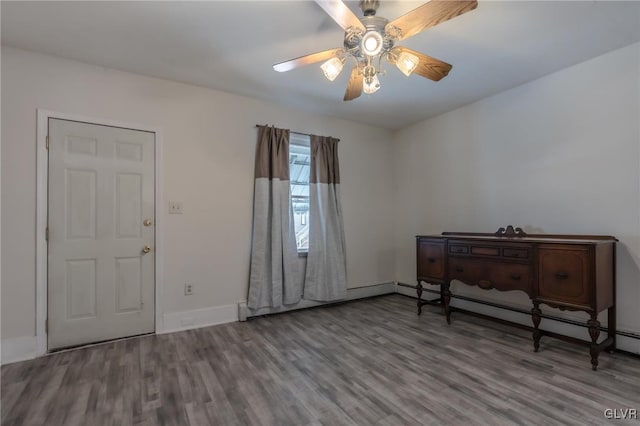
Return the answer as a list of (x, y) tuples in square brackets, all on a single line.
[(568, 272)]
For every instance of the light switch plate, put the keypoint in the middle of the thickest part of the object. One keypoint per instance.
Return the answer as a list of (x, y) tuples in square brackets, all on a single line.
[(175, 207)]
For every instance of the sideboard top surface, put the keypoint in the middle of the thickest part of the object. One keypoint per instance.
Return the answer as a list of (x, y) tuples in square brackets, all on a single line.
[(530, 238)]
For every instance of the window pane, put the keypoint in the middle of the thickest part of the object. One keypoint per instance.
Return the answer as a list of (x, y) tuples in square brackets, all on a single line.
[(299, 165)]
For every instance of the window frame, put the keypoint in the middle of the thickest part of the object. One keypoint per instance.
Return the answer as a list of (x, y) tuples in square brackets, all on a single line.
[(303, 141)]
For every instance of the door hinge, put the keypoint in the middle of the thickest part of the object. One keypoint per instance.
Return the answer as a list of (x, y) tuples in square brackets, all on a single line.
[(46, 234), (47, 142), (46, 326)]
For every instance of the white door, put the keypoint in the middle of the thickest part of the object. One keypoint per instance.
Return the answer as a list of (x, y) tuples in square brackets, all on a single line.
[(101, 282)]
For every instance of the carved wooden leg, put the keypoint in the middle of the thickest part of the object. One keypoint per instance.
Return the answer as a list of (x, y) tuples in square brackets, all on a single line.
[(535, 316), (594, 332), (446, 298), (419, 291)]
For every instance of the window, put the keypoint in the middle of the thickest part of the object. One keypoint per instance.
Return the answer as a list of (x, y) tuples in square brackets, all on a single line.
[(299, 168)]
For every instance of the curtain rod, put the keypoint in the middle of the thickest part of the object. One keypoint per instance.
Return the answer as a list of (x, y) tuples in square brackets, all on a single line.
[(292, 131)]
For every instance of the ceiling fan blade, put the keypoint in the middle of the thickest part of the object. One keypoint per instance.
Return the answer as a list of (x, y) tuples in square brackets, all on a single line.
[(354, 87), (428, 67), (340, 13), (307, 59), (429, 15)]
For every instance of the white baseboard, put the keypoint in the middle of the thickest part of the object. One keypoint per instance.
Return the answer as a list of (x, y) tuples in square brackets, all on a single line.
[(186, 320), (352, 294), (19, 349), (628, 344), (622, 342)]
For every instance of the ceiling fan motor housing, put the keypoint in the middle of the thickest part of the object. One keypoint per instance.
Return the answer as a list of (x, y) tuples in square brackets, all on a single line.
[(374, 23), (369, 7), (353, 37)]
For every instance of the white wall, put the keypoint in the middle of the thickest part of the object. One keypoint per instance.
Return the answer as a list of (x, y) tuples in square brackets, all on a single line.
[(556, 155), (209, 148)]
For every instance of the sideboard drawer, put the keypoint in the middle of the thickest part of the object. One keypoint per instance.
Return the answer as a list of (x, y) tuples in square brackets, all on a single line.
[(490, 274), (515, 253), (489, 249), (485, 251), (431, 259), (563, 274), (458, 249)]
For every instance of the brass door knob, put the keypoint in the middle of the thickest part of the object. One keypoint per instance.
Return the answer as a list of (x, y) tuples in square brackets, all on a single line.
[(147, 222), (146, 249)]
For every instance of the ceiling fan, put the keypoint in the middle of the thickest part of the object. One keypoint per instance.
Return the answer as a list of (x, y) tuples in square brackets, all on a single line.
[(373, 38)]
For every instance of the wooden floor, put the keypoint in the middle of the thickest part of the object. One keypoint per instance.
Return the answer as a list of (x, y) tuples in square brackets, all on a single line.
[(371, 362)]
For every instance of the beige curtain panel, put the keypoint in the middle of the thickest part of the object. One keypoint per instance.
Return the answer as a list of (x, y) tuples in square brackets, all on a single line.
[(273, 278), (326, 274)]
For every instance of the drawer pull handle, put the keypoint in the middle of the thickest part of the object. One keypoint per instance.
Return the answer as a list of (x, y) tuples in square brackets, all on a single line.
[(485, 285), (459, 269), (515, 277), (458, 250), (431, 260), (562, 275)]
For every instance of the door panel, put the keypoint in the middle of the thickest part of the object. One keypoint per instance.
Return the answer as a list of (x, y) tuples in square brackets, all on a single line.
[(129, 205), (81, 145), (80, 209), (101, 285), (128, 151), (81, 288), (129, 284)]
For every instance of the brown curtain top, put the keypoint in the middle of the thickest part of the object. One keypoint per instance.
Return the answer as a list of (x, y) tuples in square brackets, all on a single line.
[(325, 167), (272, 153)]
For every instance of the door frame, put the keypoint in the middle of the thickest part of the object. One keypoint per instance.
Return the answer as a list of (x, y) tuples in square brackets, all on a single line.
[(42, 188)]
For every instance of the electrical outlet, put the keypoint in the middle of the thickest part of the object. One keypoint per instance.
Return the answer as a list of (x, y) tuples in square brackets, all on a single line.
[(175, 207), (188, 289)]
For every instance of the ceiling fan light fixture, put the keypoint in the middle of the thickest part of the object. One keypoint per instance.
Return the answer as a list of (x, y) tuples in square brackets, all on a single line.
[(370, 85), (332, 68), (407, 63), (372, 38), (372, 43)]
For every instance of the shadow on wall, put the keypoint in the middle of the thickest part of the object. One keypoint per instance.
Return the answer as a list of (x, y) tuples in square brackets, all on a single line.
[(627, 288), (385, 263), (533, 230)]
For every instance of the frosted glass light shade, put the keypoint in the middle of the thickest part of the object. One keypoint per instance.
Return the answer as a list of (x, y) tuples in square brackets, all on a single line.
[(332, 68), (372, 43), (371, 85), (407, 63)]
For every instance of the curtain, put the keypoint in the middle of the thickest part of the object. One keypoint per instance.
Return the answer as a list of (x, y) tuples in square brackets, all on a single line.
[(326, 274), (273, 278)]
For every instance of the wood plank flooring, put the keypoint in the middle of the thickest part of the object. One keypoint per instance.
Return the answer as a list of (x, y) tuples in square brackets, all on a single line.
[(370, 362)]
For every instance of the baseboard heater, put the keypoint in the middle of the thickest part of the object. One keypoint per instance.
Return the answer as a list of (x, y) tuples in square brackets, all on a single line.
[(245, 313), (629, 334)]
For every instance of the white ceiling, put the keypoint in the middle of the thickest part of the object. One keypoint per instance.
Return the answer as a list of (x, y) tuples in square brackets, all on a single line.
[(231, 46)]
